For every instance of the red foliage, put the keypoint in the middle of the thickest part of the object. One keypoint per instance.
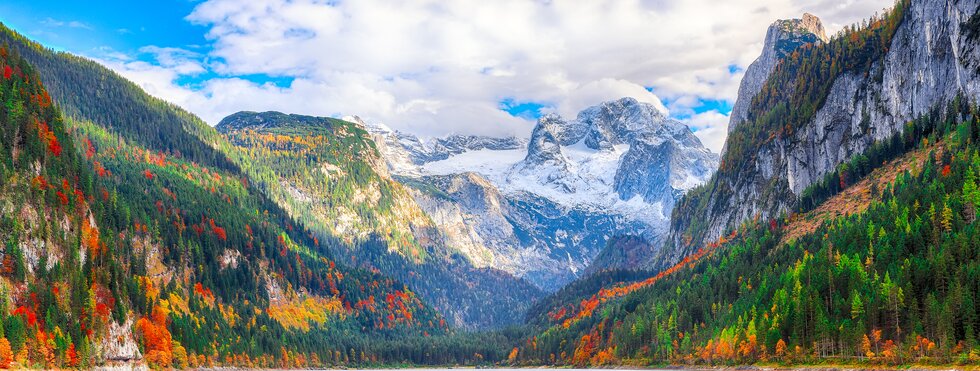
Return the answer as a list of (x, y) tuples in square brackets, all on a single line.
[(148, 174), (54, 146), (218, 231), (104, 302), (557, 316), (89, 148), (71, 356), (205, 293), (7, 72), (28, 315), (99, 169), (62, 198), (197, 229), (946, 170), (40, 182), (46, 135)]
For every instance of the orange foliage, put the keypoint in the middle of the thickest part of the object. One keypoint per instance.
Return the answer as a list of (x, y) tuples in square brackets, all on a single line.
[(583, 352), (780, 348), (205, 293), (604, 357), (40, 182), (587, 307), (71, 356), (46, 135), (90, 237), (6, 354), (157, 342)]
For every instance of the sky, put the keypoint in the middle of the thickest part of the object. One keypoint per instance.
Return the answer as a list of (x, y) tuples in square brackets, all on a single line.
[(432, 68)]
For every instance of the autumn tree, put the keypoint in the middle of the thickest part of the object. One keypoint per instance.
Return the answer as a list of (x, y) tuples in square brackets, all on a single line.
[(6, 354), (157, 342)]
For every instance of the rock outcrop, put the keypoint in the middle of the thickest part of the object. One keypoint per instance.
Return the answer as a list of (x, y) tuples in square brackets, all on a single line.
[(932, 59), (782, 38)]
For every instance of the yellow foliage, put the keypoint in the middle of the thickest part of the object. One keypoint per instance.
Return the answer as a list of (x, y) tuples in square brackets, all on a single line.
[(300, 314)]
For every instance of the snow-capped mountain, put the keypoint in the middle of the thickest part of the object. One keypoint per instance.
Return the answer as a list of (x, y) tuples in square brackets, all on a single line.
[(406, 152), (554, 200), (620, 155)]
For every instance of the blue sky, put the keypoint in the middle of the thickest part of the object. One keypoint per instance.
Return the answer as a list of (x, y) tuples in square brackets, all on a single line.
[(91, 26), (428, 67)]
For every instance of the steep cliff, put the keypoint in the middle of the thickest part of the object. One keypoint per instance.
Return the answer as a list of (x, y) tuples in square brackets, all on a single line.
[(828, 103)]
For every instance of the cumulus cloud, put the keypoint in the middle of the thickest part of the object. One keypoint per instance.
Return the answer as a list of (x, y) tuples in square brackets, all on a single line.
[(436, 67), (711, 128)]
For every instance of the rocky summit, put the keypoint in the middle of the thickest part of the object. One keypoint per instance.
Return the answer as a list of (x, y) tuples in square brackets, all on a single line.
[(783, 37), (543, 209)]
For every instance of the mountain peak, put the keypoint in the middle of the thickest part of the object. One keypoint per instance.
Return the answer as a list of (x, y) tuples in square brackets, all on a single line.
[(791, 32), (783, 37)]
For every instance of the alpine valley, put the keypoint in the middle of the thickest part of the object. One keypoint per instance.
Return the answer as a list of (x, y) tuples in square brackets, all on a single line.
[(837, 227)]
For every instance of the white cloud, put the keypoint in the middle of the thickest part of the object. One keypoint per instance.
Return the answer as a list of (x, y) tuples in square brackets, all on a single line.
[(711, 127), (51, 22), (435, 67)]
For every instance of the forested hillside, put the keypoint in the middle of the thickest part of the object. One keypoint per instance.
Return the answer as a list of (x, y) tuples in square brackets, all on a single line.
[(788, 101), (895, 283), (116, 251), (376, 233), (872, 263), (109, 244), (328, 174)]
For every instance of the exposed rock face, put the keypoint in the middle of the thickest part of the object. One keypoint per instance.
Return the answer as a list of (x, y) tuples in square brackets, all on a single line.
[(929, 62), (528, 236), (379, 223), (783, 37), (544, 153), (654, 157), (616, 169)]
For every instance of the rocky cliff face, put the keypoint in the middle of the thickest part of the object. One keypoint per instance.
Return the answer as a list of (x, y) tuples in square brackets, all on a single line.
[(545, 211), (522, 234), (931, 59), (622, 148), (782, 38)]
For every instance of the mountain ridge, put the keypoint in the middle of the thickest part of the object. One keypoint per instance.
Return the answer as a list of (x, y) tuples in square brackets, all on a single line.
[(570, 172)]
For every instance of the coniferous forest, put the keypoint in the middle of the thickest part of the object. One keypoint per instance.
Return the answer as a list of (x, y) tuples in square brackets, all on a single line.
[(133, 233)]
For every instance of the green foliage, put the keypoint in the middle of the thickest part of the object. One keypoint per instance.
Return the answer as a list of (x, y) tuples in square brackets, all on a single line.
[(323, 171), (795, 90), (87, 91), (893, 284)]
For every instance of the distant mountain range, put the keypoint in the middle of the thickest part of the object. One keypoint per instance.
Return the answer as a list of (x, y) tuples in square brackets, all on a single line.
[(543, 209), (838, 225)]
